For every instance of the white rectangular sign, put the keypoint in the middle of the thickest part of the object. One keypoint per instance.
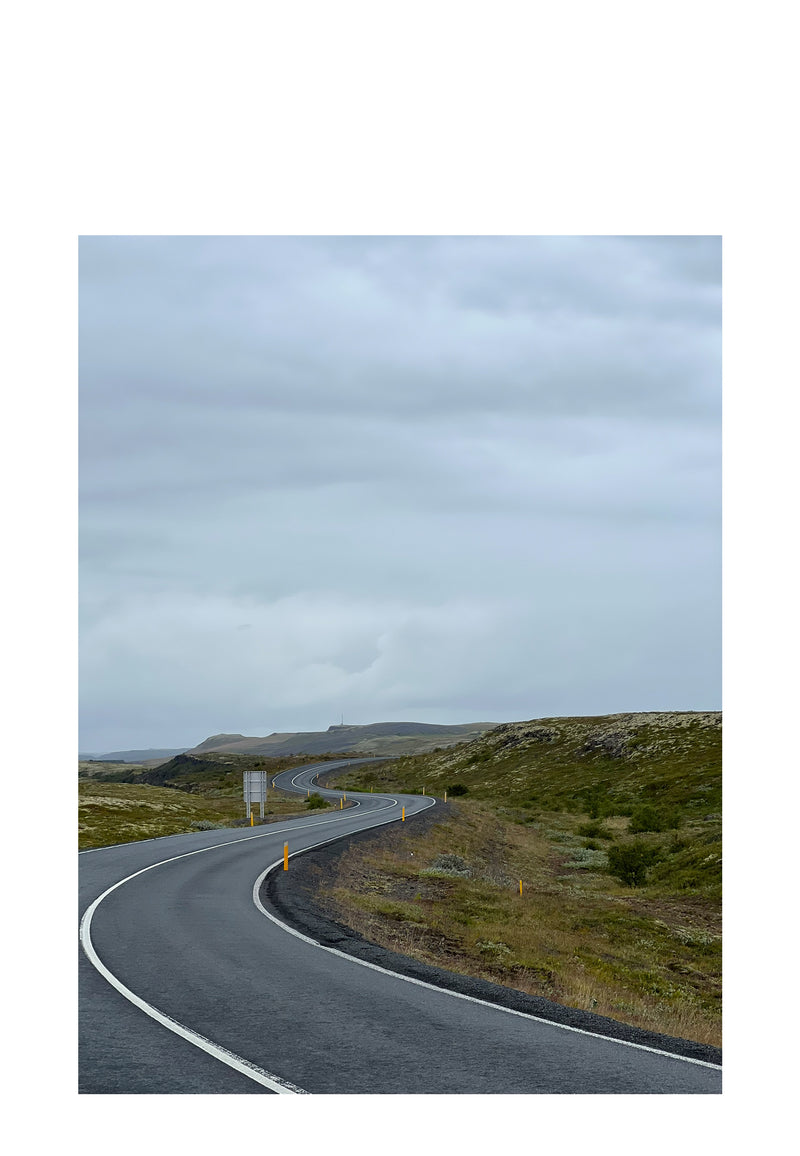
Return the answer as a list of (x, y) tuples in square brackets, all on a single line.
[(255, 789)]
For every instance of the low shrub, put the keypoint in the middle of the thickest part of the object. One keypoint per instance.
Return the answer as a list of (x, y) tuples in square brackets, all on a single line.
[(586, 859), (458, 789), (493, 950), (595, 801), (449, 865), (594, 830), (314, 802), (650, 818), (629, 861)]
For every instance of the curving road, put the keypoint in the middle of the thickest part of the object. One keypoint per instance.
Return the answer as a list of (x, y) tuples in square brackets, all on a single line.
[(188, 984)]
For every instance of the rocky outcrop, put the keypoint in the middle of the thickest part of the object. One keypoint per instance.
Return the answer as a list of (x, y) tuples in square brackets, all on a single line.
[(613, 745)]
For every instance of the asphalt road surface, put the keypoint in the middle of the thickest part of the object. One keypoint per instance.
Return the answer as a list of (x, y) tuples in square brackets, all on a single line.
[(188, 984)]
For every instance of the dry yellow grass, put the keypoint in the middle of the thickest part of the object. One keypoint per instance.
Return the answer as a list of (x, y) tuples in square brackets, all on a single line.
[(575, 936), (111, 813)]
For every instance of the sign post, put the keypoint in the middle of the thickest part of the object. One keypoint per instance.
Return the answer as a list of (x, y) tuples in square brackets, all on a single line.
[(255, 790)]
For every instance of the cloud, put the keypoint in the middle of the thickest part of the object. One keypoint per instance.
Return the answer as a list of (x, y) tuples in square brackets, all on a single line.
[(410, 463)]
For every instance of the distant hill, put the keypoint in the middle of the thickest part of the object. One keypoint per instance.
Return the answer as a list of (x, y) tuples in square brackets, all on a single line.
[(387, 738), (135, 756)]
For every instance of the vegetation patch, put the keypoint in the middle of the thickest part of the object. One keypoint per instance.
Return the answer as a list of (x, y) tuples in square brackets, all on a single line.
[(316, 802), (630, 861), (119, 805), (596, 767), (617, 845), (211, 773)]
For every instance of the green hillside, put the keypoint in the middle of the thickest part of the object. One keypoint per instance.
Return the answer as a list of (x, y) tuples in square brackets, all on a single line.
[(613, 827), (607, 764)]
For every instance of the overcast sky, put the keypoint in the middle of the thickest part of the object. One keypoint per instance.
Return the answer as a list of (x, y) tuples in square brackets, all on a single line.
[(443, 479)]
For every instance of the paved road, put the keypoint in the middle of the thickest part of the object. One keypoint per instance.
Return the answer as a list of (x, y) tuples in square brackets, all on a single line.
[(188, 985)]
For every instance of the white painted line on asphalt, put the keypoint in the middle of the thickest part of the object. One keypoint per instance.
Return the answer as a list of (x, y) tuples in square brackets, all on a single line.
[(444, 990), (179, 834), (245, 1067), (252, 1071)]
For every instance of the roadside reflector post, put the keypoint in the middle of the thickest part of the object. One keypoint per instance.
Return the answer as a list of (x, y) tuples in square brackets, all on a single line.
[(445, 796), (286, 856), (251, 818), (341, 804), (423, 790), (520, 886), (403, 816)]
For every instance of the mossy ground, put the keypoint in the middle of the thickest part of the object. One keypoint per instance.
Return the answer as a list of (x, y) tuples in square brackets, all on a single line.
[(117, 803), (545, 801), (606, 764)]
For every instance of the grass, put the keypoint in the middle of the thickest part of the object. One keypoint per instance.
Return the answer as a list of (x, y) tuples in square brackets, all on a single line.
[(666, 761), (213, 773), (543, 802), (122, 804), (546, 802)]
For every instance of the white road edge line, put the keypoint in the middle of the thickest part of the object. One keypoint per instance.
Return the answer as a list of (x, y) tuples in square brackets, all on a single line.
[(444, 990), (245, 1067), (180, 834)]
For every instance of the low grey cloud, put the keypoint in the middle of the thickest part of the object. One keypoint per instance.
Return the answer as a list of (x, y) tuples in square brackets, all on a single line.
[(446, 478)]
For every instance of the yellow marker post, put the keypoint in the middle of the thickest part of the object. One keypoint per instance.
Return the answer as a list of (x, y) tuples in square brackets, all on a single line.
[(341, 804), (520, 886), (423, 790), (286, 856), (251, 818), (445, 796), (308, 793), (403, 816)]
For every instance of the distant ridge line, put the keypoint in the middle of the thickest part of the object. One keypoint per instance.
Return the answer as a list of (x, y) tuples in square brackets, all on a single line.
[(369, 738)]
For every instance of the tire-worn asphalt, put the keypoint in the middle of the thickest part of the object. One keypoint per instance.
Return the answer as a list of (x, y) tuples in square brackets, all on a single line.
[(187, 938)]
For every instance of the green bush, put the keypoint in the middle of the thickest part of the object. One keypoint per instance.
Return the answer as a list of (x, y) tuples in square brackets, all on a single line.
[(596, 802), (629, 861), (600, 801), (458, 789), (594, 830), (314, 802), (650, 818)]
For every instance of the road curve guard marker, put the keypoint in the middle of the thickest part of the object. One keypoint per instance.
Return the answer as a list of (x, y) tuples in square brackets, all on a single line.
[(448, 991)]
